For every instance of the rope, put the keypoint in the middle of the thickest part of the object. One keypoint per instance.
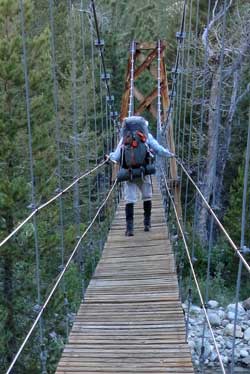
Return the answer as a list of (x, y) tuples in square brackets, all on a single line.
[(54, 288), (242, 239), (233, 245), (75, 120), (159, 90), (105, 76), (132, 71), (58, 135), (169, 111), (33, 192), (42, 206), (194, 274), (93, 85)]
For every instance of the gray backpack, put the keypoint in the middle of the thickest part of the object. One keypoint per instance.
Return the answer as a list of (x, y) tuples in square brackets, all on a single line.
[(135, 152), (136, 159)]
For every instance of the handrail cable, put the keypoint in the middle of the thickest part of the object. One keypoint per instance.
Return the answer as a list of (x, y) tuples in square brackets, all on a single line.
[(194, 274), (42, 206), (233, 245), (43, 307)]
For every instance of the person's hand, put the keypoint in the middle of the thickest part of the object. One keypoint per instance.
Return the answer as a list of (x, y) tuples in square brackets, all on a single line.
[(171, 155), (107, 159)]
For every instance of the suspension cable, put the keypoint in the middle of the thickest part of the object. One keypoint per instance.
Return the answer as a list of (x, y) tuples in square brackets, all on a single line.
[(242, 239), (105, 75), (58, 149), (193, 272), (61, 275), (42, 206), (159, 90), (233, 245), (132, 71), (43, 355), (179, 40)]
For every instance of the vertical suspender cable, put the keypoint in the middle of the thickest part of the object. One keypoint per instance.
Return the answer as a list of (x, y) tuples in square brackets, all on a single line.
[(187, 80), (187, 66), (218, 119), (192, 103), (93, 84), (76, 197), (179, 105), (132, 71), (202, 359), (242, 239), (93, 70), (85, 105), (189, 148), (170, 108), (33, 192), (58, 150), (86, 127), (159, 90)]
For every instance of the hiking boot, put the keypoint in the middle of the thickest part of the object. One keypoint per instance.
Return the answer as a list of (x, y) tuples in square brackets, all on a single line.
[(147, 206), (129, 211)]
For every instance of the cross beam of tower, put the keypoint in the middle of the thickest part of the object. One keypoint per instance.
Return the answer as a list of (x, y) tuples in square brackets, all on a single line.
[(143, 60)]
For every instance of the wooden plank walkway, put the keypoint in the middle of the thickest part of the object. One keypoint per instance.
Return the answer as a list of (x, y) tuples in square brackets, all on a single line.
[(131, 320)]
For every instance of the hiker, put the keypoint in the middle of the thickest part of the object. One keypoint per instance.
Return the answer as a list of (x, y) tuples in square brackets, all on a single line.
[(134, 153)]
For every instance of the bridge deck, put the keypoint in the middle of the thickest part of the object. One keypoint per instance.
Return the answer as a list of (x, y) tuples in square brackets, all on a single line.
[(131, 320)]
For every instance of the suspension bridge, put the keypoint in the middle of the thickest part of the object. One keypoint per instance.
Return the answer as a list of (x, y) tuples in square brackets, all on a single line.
[(130, 319)]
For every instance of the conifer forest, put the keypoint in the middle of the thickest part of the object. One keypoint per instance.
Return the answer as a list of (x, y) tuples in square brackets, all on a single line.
[(58, 120)]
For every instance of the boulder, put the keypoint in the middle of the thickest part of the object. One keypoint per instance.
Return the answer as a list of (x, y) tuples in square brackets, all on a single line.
[(246, 304), (232, 307), (247, 334), (243, 353), (195, 310), (246, 361), (229, 330), (213, 304), (231, 316), (214, 318), (222, 314)]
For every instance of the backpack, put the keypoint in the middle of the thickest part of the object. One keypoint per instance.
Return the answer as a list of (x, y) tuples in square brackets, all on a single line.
[(136, 158), (135, 151)]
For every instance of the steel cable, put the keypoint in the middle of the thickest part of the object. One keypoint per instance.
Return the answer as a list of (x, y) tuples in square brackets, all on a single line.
[(43, 356), (105, 76), (58, 135), (242, 240), (169, 111), (132, 71), (193, 272), (61, 275), (42, 206), (231, 242)]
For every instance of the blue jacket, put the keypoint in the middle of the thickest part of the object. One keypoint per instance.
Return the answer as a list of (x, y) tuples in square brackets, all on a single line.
[(152, 143)]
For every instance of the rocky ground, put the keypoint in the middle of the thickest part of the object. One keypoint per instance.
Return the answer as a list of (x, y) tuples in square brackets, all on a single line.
[(222, 321)]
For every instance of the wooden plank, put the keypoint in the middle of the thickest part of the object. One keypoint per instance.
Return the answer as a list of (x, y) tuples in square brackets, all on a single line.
[(131, 320)]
